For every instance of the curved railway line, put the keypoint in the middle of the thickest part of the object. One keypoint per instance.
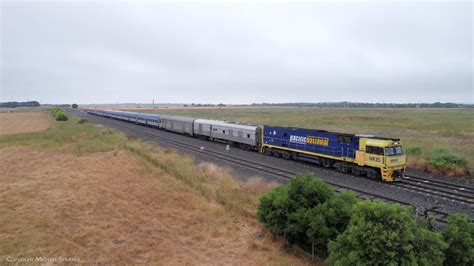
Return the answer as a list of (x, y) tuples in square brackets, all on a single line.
[(445, 190)]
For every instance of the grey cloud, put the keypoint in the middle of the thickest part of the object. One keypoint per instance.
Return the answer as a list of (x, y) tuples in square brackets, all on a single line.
[(236, 53)]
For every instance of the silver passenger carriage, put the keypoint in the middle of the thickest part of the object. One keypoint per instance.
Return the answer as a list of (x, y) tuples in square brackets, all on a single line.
[(179, 124), (244, 135), (148, 119)]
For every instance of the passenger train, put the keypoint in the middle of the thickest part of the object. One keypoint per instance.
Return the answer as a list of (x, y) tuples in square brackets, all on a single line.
[(368, 155)]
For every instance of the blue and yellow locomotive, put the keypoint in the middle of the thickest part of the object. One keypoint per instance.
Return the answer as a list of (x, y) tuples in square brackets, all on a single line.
[(368, 155)]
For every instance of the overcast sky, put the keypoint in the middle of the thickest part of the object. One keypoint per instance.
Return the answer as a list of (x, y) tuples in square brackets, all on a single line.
[(107, 52)]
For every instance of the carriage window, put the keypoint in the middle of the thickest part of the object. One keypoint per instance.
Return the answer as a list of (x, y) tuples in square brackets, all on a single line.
[(248, 136), (344, 139), (223, 131), (285, 135), (390, 151), (374, 150)]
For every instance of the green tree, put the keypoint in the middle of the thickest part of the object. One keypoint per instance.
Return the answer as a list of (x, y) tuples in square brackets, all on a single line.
[(283, 209), (61, 116), (272, 210), (429, 247), (459, 235), (306, 211), (304, 193), (383, 234), (326, 221)]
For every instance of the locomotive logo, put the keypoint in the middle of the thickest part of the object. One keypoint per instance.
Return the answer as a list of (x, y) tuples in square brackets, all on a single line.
[(309, 140), (298, 139), (317, 141)]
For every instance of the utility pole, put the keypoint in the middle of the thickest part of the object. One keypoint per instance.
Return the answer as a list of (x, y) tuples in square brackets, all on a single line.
[(153, 103)]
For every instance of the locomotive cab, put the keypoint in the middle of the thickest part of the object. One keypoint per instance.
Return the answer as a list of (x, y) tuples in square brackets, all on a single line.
[(386, 155)]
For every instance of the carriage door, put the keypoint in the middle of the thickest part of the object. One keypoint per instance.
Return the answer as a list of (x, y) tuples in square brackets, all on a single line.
[(240, 136), (284, 142)]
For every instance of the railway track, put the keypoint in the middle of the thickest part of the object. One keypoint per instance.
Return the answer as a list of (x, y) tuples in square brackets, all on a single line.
[(408, 183), (449, 191)]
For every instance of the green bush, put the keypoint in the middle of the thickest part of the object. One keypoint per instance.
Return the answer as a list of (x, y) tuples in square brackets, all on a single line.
[(414, 151), (55, 110), (306, 211), (445, 159), (59, 114), (385, 234), (429, 247), (326, 221), (459, 235), (272, 210)]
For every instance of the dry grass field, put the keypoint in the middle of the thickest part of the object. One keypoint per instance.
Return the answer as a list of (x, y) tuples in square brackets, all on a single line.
[(16, 123), (96, 196)]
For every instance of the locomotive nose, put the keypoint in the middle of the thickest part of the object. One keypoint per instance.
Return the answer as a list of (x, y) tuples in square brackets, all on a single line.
[(394, 161)]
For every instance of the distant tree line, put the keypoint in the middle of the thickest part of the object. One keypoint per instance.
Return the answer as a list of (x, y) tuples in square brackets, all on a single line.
[(204, 105), (368, 105), (19, 104)]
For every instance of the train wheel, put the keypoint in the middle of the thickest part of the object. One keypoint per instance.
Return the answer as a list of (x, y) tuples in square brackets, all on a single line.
[(371, 173), (294, 155), (356, 172), (326, 163), (268, 152)]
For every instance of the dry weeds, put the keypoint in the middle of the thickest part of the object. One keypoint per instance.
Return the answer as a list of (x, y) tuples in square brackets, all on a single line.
[(114, 207), (15, 123)]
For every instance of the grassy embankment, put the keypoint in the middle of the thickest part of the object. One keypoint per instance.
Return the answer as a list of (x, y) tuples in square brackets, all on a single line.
[(104, 205), (423, 131)]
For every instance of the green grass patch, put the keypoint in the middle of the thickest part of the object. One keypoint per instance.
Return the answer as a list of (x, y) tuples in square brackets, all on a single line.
[(445, 159), (413, 151), (85, 137)]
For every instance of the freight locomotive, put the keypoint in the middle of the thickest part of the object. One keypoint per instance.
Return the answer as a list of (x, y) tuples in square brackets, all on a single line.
[(368, 155)]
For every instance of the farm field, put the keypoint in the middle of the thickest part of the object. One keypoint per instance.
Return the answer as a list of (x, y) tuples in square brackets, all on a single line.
[(426, 129), (83, 191), (16, 123)]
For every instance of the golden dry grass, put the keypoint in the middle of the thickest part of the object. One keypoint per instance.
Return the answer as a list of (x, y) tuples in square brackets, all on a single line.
[(116, 207), (16, 123)]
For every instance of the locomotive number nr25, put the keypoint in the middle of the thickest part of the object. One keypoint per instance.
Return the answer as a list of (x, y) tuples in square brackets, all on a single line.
[(375, 159)]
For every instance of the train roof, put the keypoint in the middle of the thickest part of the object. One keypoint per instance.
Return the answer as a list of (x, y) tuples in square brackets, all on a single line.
[(224, 123), (149, 115), (382, 142), (178, 118), (338, 133)]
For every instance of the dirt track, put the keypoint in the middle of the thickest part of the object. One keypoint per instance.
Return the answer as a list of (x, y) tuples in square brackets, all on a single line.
[(15, 123)]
